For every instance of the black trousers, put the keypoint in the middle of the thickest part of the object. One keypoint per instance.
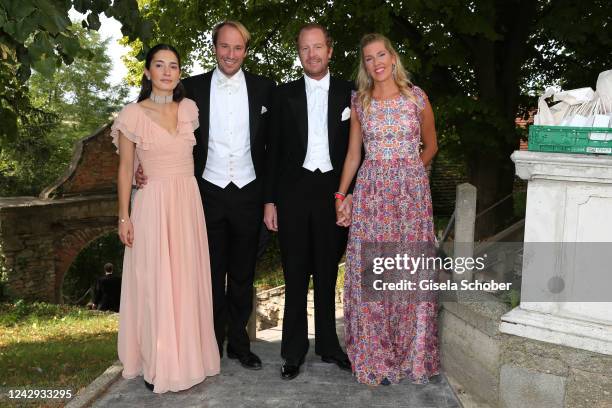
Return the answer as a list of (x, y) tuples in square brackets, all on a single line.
[(233, 220), (311, 244)]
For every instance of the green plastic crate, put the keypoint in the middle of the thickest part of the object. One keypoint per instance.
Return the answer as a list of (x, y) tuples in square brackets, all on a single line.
[(567, 139)]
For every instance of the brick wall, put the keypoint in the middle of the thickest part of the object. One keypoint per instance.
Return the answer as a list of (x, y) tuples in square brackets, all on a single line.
[(41, 236), (93, 169)]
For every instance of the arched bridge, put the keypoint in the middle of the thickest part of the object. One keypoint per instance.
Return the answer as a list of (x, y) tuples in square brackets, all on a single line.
[(41, 236)]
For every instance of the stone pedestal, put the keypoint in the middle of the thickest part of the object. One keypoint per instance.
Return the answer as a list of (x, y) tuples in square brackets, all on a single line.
[(569, 200)]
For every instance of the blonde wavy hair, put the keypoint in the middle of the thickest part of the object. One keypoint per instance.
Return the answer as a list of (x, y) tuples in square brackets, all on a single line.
[(365, 84)]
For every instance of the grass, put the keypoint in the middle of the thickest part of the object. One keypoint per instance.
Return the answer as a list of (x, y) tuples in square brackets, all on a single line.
[(268, 279), (45, 346)]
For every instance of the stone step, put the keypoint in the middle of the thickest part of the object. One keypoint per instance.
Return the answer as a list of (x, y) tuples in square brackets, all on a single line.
[(318, 385)]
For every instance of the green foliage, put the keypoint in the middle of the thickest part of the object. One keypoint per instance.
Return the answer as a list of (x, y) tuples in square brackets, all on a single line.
[(37, 34), (3, 274), (28, 153), (512, 298), (89, 265), (54, 346), (22, 312), (520, 204), (269, 271), (79, 93), (61, 108), (482, 62)]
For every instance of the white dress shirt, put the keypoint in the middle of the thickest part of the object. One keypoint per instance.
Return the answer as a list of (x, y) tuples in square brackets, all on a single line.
[(229, 143), (317, 153)]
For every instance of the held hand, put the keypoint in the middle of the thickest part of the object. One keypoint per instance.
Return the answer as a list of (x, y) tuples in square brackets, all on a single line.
[(126, 232), (340, 214), (141, 179), (345, 208), (270, 217)]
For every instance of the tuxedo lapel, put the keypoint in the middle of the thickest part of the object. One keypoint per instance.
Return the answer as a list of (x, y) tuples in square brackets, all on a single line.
[(334, 111), (204, 103), (300, 108), (254, 107)]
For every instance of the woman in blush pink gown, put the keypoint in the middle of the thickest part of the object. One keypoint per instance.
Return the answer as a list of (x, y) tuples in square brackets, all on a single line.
[(166, 328)]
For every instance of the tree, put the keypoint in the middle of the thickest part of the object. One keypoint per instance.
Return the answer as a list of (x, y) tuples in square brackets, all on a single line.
[(482, 61), (38, 34), (79, 93), (72, 103)]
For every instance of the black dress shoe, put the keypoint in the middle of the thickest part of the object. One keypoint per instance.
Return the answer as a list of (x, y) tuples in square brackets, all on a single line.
[(148, 385), (341, 361), (249, 360), (290, 369)]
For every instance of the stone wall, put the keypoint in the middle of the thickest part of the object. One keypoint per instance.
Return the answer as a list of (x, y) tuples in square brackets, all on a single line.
[(270, 306), (470, 344), (506, 371), (538, 374), (93, 169), (41, 238), (271, 303)]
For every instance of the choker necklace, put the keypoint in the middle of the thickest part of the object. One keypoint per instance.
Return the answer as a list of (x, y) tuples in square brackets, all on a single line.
[(161, 99)]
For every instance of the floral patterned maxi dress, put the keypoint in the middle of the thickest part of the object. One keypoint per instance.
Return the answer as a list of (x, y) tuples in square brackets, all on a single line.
[(388, 338)]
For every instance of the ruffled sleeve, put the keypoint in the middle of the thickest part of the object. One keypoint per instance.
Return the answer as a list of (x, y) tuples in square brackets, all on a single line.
[(188, 120), (420, 97), (129, 123)]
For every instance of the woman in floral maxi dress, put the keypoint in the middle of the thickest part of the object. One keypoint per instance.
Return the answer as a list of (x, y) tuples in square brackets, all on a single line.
[(388, 339)]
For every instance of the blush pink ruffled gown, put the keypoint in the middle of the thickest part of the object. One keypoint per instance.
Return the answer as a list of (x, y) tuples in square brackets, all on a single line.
[(166, 330)]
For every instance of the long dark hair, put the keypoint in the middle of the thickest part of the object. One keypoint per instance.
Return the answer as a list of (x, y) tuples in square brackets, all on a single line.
[(146, 86)]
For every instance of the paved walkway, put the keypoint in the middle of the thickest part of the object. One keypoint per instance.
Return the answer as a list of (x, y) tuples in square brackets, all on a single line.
[(318, 385)]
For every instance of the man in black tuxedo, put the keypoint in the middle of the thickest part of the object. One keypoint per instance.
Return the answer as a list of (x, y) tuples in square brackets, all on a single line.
[(306, 155), (229, 166)]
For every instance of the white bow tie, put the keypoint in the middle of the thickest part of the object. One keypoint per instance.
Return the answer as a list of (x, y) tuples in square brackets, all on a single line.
[(318, 86), (232, 83)]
